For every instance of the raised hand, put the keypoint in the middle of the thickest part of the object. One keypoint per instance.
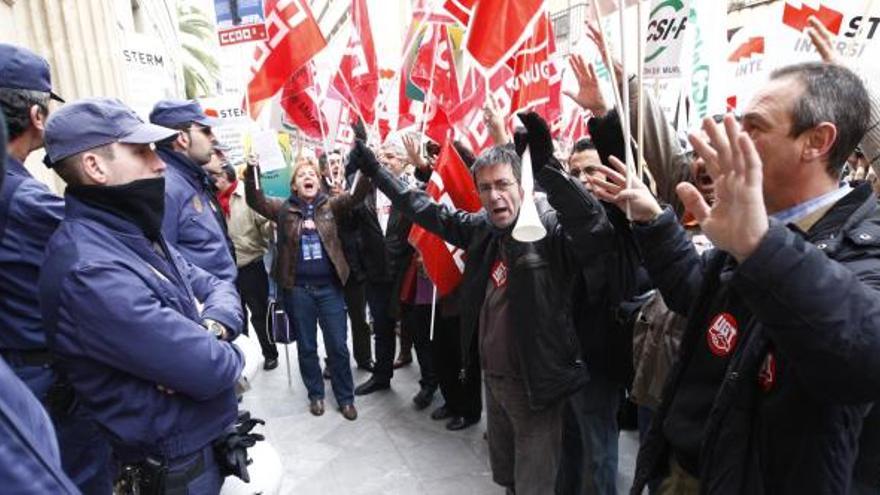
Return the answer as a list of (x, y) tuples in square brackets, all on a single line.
[(413, 152), (643, 206), (589, 96), (737, 220), (494, 120), (595, 35), (821, 38), (539, 140), (363, 158)]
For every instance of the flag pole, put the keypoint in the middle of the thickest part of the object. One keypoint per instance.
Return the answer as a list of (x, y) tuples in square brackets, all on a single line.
[(624, 109), (433, 310), (640, 116)]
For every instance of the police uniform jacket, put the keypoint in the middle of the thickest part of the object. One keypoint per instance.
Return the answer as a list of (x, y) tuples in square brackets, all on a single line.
[(29, 214), (122, 319), (192, 223)]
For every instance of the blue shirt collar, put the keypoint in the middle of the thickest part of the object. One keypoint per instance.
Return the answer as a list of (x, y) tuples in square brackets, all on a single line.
[(15, 167), (802, 210)]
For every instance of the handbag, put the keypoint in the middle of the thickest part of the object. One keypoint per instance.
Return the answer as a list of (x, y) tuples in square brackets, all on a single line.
[(280, 329)]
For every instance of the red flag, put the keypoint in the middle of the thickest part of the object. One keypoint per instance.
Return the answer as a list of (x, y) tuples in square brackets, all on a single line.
[(461, 10), (299, 99), (496, 28), (358, 77), (293, 38), (537, 82), (450, 184), (443, 88), (467, 116)]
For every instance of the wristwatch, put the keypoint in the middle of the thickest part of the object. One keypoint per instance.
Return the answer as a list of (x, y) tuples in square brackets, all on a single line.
[(215, 327)]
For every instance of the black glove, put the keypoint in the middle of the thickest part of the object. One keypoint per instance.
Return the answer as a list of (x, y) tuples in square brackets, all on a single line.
[(363, 158), (360, 132), (539, 140), (231, 449)]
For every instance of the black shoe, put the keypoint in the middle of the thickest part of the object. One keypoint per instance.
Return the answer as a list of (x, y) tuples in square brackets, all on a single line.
[(460, 423), (270, 364), (326, 373), (316, 407), (424, 397), (370, 386), (441, 412), (366, 366)]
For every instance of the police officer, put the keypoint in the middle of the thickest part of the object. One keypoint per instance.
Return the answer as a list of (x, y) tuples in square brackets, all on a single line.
[(30, 460), (29, 213), (193, 221), (120, 305)]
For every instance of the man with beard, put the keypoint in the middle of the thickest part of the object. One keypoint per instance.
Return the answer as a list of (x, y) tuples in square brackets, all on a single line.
[(193, 222), (120, 305)]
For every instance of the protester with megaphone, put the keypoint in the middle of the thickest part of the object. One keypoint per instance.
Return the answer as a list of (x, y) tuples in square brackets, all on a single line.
[(515, 316)]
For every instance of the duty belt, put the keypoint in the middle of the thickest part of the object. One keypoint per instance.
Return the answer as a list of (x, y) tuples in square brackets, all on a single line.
[(153, 477)]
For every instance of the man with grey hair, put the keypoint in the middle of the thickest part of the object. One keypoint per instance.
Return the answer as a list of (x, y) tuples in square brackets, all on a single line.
[(515, 315), (778, 365), (386, 253)]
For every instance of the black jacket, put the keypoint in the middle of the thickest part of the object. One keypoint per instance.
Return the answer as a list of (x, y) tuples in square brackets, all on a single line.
[(384, 257), (812, 301), (540, 275)]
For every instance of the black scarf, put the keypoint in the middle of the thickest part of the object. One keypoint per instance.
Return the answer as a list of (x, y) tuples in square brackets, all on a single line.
[(141, 202)]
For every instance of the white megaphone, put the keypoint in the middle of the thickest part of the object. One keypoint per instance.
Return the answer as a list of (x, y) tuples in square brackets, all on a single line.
[(265, 471), (528, 226)]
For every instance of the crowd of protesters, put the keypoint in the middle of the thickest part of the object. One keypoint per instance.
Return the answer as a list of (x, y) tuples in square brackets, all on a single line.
[(729, 290)]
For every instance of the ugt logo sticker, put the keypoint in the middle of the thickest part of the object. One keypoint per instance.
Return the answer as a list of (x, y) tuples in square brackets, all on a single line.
[(722, 334)]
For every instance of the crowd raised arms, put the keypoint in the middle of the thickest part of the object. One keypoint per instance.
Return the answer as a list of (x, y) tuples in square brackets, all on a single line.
[(722, 289)]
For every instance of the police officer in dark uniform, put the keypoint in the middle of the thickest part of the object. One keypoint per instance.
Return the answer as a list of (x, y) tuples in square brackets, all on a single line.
[(120, 306), (29, 213), (30, 460), (193, 221)]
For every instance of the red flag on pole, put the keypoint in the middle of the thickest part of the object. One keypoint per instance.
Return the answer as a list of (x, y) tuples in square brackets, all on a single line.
[(467, 116), (293, 39), (358, 77), (537, 81), (450, 184), (299, 99), (496, 28)]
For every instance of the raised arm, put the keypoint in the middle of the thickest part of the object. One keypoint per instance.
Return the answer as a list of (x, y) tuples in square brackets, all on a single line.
[(454, 226), (268, 207)]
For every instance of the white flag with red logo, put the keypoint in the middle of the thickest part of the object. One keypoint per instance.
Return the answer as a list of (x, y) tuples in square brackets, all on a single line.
[(293, 38), (451, 184)]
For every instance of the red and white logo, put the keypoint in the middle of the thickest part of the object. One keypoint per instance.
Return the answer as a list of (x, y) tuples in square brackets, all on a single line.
[(797, 17), (722, 334), (767, 374), (499, 274)]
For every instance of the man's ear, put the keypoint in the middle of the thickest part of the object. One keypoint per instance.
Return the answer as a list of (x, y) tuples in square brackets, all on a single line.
[(94, 168), (819, 141), (38, 117), (182, 139)]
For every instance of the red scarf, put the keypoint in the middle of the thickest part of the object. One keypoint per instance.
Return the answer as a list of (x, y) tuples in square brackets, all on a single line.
[(224, 196)]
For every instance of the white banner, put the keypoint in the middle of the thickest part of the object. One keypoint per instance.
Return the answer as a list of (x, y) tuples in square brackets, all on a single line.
[(150, 72), (707, 59), (667, 26)]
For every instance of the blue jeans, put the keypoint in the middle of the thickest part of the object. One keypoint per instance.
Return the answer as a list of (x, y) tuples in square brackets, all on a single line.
[(306, 306), (589, 440)]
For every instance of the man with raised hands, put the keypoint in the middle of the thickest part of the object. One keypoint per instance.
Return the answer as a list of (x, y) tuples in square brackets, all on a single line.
[(778, 365)]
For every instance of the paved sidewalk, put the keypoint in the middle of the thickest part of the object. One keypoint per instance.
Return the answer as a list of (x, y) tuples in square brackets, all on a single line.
[(390, 449)]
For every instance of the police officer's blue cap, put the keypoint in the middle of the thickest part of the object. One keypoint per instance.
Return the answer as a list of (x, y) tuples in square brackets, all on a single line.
[(92, 122), (174, 113), (21, 68)]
